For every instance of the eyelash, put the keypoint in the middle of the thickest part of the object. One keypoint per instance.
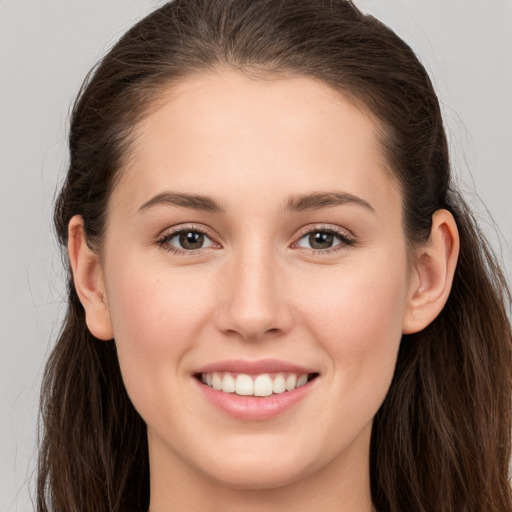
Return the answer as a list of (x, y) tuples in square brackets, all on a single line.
[(345, 240), (163, 241)]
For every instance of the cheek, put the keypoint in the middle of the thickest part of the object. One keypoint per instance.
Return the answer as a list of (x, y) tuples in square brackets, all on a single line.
[(152, 304), (358, 323), (157, 317)]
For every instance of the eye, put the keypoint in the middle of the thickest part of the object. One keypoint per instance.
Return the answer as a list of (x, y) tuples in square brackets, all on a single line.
[(323, 239), (186, 240)]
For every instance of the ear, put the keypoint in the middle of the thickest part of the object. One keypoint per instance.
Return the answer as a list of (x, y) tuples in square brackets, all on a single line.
[(88, 279), (433, 272)]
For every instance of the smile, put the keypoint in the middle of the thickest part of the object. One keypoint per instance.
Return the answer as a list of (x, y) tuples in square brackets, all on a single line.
[(255, 390), (265, 384)]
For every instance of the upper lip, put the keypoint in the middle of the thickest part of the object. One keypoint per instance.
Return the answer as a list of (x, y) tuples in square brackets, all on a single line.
[(254, 367)]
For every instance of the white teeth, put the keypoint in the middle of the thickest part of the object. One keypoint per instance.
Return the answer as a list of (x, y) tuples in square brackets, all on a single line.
[(278, 386), (216, 381), (291, 382), (257, 385), (302, 380), (228, 384), (244, 385), (263, 385)]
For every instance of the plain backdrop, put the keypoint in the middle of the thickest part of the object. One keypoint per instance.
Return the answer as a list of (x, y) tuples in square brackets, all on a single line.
[(46, 47)]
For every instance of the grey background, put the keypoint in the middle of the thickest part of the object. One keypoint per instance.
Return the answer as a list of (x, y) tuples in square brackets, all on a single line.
[(46, 47)]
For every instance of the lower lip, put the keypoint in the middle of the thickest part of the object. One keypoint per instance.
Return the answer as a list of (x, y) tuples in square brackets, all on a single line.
[(254, 408)]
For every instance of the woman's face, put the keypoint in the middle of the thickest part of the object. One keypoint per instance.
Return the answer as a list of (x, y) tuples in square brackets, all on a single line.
[(254, 241)]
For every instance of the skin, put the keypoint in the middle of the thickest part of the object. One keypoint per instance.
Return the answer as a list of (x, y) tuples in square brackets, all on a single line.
[(256, 290)]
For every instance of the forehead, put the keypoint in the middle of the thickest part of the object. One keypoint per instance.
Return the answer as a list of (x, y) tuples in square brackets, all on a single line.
[(223, 133)]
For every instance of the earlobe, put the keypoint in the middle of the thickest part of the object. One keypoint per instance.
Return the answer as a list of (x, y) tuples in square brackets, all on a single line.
[(433, 273), (88, 280)]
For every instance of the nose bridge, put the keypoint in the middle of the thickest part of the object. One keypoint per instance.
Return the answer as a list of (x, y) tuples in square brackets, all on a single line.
[(253, 304)]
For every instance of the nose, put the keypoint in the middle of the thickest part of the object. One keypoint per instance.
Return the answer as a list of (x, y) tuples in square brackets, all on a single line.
[(252, 297)]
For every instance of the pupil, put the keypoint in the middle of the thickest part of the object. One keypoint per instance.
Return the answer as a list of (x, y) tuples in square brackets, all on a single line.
[(321, 240), (191, 240)]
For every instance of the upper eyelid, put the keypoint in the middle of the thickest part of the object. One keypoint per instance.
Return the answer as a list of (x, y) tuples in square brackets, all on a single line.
[(187, 227), (338, 230), (302, 231)]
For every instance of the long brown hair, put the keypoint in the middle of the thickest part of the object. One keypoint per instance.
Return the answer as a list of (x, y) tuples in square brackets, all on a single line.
[(441, 440)]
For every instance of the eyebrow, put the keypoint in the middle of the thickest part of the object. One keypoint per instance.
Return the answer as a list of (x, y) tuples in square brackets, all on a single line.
[(297, 203), (192, 201), (318, 200)]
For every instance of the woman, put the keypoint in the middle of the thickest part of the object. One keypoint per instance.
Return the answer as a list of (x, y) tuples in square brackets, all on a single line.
[(277, 299)]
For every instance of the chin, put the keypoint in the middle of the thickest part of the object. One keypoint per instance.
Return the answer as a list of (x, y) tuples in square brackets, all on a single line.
[(258, 478), (260, 472)]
